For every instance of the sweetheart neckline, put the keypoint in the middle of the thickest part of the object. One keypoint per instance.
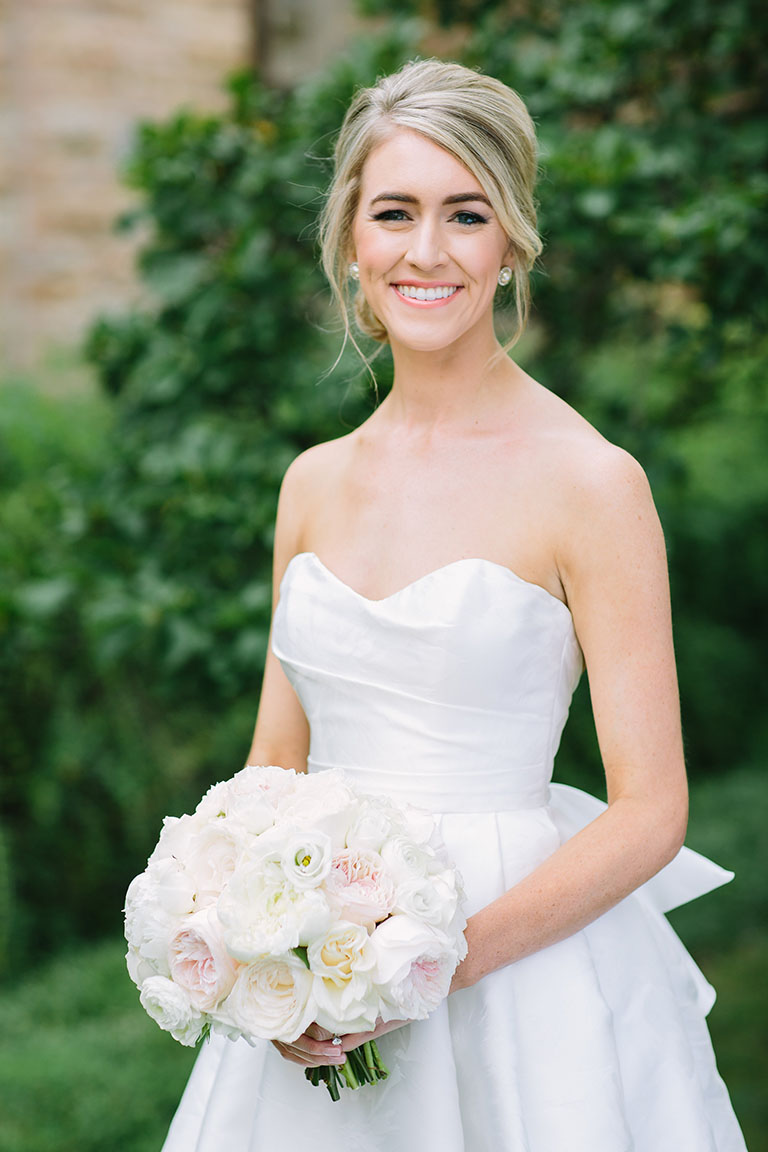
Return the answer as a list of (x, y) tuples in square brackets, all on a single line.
[(429, 576)]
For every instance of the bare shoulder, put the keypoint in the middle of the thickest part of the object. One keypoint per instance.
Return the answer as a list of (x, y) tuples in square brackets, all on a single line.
[(307, 485), (584, 474), (315, 464), (594, 497)]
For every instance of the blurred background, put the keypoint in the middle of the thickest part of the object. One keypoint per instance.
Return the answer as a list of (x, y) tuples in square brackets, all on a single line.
[(166, 339)]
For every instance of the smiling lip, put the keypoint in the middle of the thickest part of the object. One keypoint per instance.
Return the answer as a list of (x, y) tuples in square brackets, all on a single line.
[(422, 294)]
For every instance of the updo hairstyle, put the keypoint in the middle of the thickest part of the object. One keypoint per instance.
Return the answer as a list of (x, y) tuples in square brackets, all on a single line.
[(480, 121)]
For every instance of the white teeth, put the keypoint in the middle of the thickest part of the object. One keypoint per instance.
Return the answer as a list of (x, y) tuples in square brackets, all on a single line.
[(440, 292)]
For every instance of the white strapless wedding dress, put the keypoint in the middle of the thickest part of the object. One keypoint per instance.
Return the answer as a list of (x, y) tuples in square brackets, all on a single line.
[(452, 694)]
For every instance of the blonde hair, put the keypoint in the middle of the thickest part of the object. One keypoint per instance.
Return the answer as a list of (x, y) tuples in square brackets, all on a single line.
[(479, 121)]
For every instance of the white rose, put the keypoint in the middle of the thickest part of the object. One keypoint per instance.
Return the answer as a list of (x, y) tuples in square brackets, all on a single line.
[(420, 825), (322, 802), (414, 964), (407, 861), (376, 821), (433, 899), (360, 887), (342, 962), (273, 999), (170, 1007), (199, 962), (262, 914)]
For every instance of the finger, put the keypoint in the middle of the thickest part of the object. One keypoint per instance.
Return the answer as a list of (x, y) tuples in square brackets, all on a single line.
[(355, 1039), (315, 1032), (298, 1056), (314, 1052)]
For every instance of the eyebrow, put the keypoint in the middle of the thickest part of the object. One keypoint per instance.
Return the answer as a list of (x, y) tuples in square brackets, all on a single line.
[(457, 198)]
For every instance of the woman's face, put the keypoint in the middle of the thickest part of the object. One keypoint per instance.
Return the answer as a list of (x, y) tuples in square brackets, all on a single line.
[(428, 243)]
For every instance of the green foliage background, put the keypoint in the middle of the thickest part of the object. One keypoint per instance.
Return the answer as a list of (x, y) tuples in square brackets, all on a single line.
[(137, 525)]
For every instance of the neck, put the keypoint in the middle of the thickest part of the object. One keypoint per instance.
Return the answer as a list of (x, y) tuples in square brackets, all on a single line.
[(452, 386)]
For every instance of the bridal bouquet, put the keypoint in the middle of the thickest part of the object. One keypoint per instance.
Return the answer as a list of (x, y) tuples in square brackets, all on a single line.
[(287, 899)]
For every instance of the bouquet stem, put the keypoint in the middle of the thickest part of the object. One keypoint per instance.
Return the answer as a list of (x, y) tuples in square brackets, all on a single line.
[(363, 1065)]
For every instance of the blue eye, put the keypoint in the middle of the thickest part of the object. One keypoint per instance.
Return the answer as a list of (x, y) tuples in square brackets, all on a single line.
[(467, 218), (391, 214)]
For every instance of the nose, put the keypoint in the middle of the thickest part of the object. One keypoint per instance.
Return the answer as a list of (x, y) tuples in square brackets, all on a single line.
[(425, 249)]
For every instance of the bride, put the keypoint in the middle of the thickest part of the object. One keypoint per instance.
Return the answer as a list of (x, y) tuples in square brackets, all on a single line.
[(442, 575)]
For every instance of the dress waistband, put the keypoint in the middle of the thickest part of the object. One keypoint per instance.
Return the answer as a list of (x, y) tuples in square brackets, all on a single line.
[(450, 790)]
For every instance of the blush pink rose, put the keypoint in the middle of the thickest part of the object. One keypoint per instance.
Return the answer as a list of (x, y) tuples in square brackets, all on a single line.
[(413, 967), (360, 887), (199, 962)]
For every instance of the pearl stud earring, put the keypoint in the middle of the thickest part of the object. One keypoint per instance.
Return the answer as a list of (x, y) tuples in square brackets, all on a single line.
[(505, 275), (354, 270)]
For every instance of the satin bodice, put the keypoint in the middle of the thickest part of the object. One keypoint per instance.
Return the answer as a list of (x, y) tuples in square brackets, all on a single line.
[(452, 691), (451, 694)]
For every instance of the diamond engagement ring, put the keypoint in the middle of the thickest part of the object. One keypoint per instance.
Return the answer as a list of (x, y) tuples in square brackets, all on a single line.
[(336, 1040)]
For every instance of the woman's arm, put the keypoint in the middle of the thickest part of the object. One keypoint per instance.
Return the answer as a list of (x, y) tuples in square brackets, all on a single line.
[(281, 735), (612, 564)]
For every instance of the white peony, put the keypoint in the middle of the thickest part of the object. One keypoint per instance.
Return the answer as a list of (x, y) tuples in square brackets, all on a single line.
[(324, 803), (273, 999), (254, 794), (414, 964), (262, 913), (170, 1007), (212, 857), (148, 924), (175, 835)]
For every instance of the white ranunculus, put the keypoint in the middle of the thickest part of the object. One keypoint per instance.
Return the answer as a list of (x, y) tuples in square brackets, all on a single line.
[(262, 913), (273, 999), (324, 803), (343, 962), (414, 964), (139, 969), (199, 962), (359, 886), (170, 1007)]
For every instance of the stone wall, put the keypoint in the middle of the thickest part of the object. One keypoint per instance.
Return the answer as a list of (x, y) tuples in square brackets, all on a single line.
[(75, 76)]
